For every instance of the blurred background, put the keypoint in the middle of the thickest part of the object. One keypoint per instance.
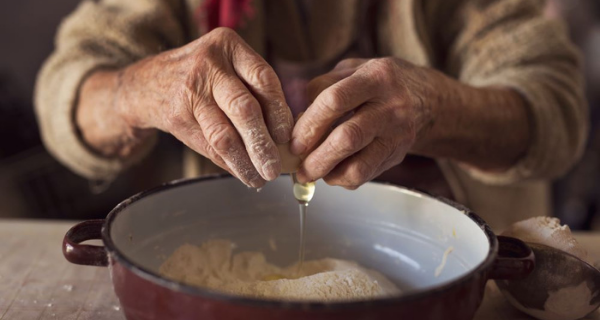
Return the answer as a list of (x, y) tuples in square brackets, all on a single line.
[(34, 185)]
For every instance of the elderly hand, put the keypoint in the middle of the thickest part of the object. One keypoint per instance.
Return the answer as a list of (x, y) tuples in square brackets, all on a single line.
[(217, 96), (385, 100)]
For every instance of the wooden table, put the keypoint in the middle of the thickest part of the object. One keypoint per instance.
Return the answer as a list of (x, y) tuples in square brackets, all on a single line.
[(37, 283)]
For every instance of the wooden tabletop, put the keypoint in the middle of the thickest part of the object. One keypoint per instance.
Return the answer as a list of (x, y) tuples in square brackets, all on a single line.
[(37, 283)]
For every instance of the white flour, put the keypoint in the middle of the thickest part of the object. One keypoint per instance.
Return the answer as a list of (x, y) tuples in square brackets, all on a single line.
[(213, 265)]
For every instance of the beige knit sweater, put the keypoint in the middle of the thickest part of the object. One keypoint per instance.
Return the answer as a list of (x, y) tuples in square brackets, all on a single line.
[(480, 42)]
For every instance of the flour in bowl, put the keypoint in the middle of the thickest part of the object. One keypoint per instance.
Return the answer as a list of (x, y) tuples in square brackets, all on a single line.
[(213, 265)]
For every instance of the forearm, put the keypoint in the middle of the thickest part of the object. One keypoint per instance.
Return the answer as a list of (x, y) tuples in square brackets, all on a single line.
[(487, 127), (100, 123), (215, 94)]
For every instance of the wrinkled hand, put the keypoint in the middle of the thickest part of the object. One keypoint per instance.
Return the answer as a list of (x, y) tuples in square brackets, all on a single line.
[(217, 96), (385, 102)]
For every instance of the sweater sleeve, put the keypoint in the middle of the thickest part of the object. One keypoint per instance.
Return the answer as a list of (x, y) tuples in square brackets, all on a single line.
[(510, 43), (101, 34)]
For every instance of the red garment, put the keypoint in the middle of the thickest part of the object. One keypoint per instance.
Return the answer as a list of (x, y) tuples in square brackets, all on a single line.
[(224, 13)]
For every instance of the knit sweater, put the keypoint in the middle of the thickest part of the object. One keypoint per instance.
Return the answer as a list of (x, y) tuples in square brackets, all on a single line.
[(479, 42)]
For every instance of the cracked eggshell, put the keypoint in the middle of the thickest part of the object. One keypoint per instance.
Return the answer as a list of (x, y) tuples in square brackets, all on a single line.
[(547, 231), (289, 162), (552, 303)]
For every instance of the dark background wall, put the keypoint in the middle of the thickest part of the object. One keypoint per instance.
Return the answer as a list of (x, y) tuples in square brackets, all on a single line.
[(27, 29), (32, 183)]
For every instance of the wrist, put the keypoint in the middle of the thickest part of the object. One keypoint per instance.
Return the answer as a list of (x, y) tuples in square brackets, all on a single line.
[(483, 127), (432, 99), (126, 105), (102, 125), (127, 102)]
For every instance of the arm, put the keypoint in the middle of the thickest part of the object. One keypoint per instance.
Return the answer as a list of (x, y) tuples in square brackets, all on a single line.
[(99, 35), (510, 44), (97, 116), (214, 94), (487, 128), (516, 113), (400, 108)]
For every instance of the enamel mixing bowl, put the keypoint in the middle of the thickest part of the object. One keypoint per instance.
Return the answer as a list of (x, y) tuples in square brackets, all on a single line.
[(399, 232)]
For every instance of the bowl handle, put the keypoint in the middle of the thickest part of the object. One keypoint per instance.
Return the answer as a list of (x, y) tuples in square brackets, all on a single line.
[(515, 260), (82, 253)]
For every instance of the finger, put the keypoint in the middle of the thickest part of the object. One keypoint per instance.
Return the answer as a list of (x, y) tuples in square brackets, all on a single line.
[(362, 166), (343, 69), (350, 63), (262, 80), (244, 111), (223, 139), (322, 82), (330, 105), (194, 140), (345, 140)]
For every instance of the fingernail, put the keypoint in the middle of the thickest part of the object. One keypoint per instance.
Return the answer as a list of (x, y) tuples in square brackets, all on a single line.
[(296, 147), (271, 169), (257, 183)]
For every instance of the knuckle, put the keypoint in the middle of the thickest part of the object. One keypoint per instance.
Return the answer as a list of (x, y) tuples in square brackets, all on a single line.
[(219, 41), (350, 138), (176, 118), (343, 64), (357, 174), (307, 128), (334, 100), (213, 154), (348, 179), (223, 33), (262, 76), (220, 136), (384, 63), (330, 181), (351, 187), (241, 105), (383, 70), (348, 63), (340, 181)]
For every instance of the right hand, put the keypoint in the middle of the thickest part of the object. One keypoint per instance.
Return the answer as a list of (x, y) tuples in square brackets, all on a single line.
[(217, 96)]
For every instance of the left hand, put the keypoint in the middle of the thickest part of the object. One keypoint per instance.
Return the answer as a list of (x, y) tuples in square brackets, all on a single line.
[(387, 103)]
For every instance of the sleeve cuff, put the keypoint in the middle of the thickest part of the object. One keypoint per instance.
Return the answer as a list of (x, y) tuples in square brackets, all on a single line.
[(56, 97), (555, 145)]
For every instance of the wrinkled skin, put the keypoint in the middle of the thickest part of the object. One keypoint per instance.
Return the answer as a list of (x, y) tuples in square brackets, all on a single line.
[(382, 100), (222, 100), (217, 96)]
